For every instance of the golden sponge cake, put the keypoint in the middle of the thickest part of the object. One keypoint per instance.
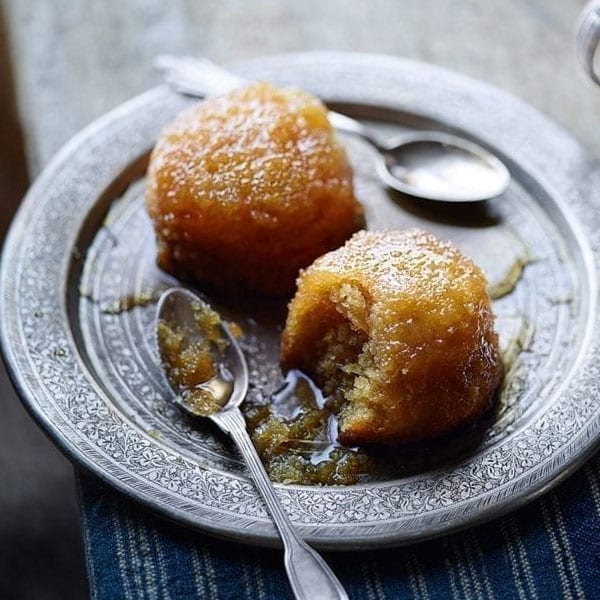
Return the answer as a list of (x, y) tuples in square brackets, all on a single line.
[(400, 325), (247, 188)]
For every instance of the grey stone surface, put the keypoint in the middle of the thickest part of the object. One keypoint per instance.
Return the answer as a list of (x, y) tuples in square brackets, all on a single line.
[(75, 59)]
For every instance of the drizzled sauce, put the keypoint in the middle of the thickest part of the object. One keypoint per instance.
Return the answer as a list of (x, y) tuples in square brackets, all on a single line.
[(296, 436)]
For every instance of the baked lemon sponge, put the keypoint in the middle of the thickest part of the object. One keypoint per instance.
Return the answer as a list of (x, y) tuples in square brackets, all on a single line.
[(247, 188), (400, 325)]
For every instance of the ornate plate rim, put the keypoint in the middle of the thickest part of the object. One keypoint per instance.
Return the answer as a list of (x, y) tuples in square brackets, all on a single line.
[(561, 164)]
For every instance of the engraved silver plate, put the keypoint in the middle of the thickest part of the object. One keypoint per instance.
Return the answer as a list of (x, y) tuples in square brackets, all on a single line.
[(79, 285)]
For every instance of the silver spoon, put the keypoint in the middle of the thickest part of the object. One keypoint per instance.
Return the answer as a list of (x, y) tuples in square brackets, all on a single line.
[(428, 164), (309, 575)]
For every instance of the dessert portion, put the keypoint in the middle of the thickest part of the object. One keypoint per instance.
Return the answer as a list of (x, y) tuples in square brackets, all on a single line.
[(246, 189), (400, 325)]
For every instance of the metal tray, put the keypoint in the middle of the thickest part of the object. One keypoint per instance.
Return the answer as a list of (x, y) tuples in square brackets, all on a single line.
[(79, 285)]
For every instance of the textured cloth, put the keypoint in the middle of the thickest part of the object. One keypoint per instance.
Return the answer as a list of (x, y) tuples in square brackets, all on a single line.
[(549, 549)]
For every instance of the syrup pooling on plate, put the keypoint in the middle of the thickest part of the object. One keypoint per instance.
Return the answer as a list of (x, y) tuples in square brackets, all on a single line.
[(296, 436)]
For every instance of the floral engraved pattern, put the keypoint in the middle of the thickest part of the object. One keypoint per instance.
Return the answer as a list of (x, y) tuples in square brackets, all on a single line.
[(85, 365)]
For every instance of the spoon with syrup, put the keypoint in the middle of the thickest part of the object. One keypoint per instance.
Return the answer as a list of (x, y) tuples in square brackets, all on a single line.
[(206, 368), (425, 164)]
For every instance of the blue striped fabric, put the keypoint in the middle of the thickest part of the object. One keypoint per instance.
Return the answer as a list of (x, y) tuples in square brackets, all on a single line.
[(549, 549)]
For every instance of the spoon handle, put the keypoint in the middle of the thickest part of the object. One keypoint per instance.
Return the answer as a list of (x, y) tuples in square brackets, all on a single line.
[(347, 124), (197, 77), (308, 573)]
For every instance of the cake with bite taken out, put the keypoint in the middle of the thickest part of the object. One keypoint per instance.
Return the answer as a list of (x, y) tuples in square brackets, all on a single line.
[(400, 325)]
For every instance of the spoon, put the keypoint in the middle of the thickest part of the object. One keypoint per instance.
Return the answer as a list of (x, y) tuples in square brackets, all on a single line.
[(179, 310), (425, 164)]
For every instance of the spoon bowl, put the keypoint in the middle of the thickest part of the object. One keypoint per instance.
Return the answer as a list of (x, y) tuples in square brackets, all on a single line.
[(180, 307), (442, 167)]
